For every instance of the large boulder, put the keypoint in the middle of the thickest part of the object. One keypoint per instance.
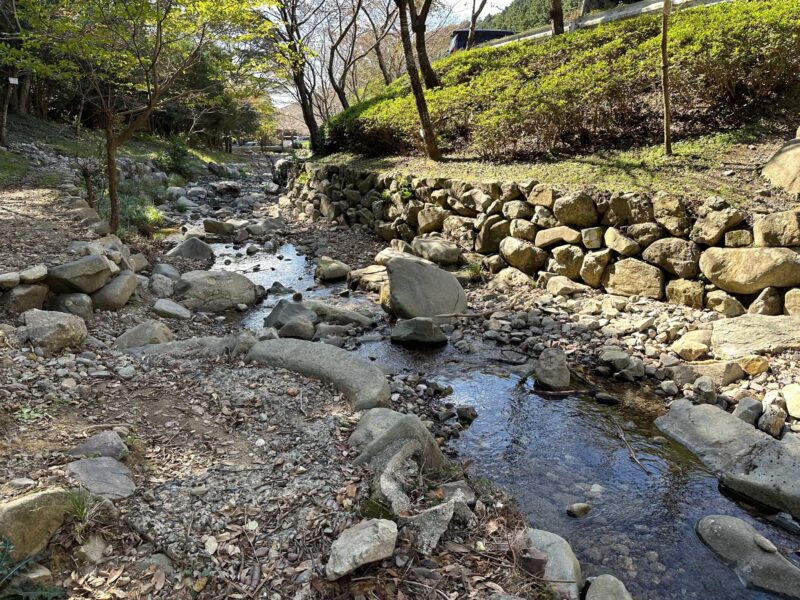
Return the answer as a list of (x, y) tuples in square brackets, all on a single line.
[(144, 334), (783, 169), (431, 218), (115, 294), (86, 275), (777, 229), (53, 330), (214, 291), (73, 304), (620, 242), (562, 568), (329, 269), (522, 255), (28, 521), (674, 255), (750, 270), (631, 277), (192, 248), (755, 334), (420, 290), (369, 541), (753, 557), (494, 229), (286, 311)]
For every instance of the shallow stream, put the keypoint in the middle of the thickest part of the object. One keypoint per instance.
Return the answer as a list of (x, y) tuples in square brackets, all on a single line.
[(550, 452)]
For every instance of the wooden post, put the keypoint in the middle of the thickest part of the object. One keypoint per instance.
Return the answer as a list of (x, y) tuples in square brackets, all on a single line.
[(665, 78)]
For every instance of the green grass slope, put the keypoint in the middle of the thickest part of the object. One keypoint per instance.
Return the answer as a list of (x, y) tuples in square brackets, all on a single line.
[(592, 88)]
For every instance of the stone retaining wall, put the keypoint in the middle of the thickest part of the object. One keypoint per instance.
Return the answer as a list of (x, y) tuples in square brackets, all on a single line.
[(625, 243)]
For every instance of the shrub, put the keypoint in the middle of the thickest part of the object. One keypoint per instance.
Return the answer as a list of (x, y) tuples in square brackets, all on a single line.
[(137, 214), (598, 85), (175, 157)]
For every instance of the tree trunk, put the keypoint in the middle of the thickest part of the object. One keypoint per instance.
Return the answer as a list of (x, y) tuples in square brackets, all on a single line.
[(308, 111), (419, 26), (665, 78), (23, 94), (428, 135), (473, 22), (387, 77), (557, 17), (340, 93), (6, 101), (111, 174)]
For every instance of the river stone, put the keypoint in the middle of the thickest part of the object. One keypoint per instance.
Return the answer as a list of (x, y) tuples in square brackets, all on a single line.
[(607, 587), (329, 269), (592, 237), (544, 218), (431, 218), (686, 293), (494, 229), (362, 383), (777, 229), (557, 235), (285, 311), (724, 303), (551, 369), (144, 334), (578, 210), (522, 255), (750, 270), (517, 209), (26, 297), (755, 334), (28, 521), (33, 274), (374, 423), (104, 476), (715, 218), (54, 330), (738, 238), (511, 279), (740, 546), (106, 443), (73, 304), (171, 310), (791, 303), (161, 286), (297, 327), (563, 568), (420, 330), (632, 277), (746, 459), (214, 291), (768, 302), (9, 280), (620, 243), (335, 314), (215, 227), (748, 410), (139, 262), (192, 248), (429, 526), (676, 256), (167, 271), (115, 294), (628, 209), (645, 234), (86, 275), (436, 250), (408, 428), (772, 420), (783, 169), (369, 541), (420, 290)]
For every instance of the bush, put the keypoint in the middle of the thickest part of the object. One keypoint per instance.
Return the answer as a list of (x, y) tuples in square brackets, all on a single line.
[(175, 158), (594, 86), (137, 214)]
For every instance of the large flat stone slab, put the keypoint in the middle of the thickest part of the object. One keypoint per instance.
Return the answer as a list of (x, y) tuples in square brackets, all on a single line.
[(754, 334), (363, 383), (746, 459)]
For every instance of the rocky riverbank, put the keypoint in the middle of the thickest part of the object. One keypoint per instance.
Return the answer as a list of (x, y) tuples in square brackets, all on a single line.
[(226, 468)]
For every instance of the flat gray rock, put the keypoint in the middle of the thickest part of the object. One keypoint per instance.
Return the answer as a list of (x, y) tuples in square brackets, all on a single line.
[(420, 290), (368, 541), (746, 459), (752, 556), (105, 443), (755, 334), (418, 331), (363, 383), (607, 587), (103, 476)]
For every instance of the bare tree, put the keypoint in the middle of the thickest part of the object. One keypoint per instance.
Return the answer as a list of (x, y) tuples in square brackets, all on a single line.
[(419, 24), (473, 21), (382, 24), (342, 46), (428, 135), (665, 78)]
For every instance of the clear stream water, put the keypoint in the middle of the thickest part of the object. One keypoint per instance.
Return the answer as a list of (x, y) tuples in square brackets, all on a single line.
[(550, 452)]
